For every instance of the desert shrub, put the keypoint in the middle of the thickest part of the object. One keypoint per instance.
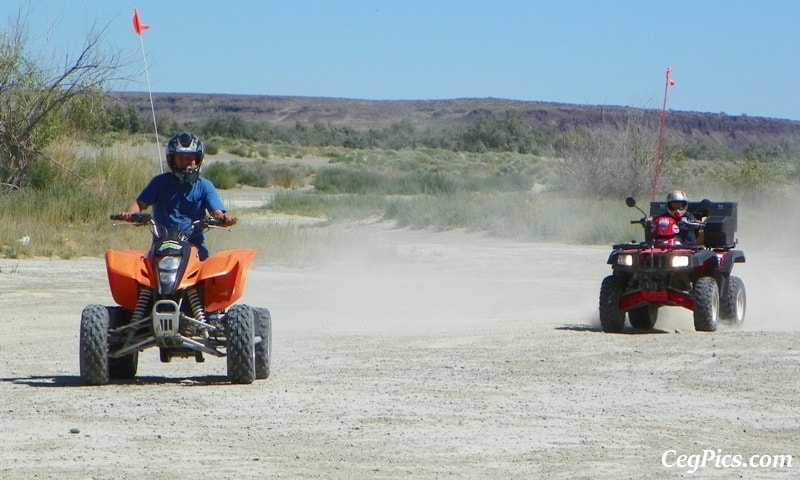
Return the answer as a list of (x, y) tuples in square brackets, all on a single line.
[(211, 148), (507, 133), (227, 175), (226, 125), (427, 183), (220, 175), (346, 180), (754, 176), (282, 150), (285, 176), (240, 151), (503, 183), (332, 207), (607, 162)]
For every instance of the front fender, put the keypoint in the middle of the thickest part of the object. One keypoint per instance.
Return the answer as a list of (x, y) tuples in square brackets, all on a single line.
[(731, 257), (223, 276), (703, 259)]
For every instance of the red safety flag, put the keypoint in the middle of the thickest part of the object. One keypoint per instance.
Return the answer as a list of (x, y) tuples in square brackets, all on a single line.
[(137, 25), (669, 75)]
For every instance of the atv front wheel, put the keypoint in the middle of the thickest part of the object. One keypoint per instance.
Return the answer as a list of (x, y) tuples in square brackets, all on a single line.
[(94, 345), (643, 317), (706, 304), (123, 367), (263, 326), (611, 318), (241, 344), (733, 302)]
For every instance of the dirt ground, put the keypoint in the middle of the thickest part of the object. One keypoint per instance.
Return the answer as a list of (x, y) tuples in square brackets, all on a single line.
[(412, 354)]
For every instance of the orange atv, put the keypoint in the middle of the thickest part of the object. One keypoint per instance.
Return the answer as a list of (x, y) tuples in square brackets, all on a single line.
[(168, 298)]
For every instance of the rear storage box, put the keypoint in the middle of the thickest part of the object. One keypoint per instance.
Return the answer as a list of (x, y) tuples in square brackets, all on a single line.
[(721, 225), (720, 217)]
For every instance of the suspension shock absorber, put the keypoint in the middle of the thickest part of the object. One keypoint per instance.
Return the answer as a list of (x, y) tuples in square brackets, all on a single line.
[(196, 305), (141, 305)]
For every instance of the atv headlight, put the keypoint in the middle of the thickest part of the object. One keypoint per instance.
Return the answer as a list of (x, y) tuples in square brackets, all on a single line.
[(167, 278), (625, 260), (168, 270), (679, 261), (169, 263)]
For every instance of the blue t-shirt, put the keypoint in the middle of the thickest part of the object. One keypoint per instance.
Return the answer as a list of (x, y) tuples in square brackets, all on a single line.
[(177, 206)]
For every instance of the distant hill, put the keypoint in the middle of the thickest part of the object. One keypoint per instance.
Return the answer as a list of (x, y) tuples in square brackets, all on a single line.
[(680, 126)]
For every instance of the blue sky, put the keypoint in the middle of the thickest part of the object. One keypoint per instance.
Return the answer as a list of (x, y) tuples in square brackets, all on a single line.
[(731, 56)]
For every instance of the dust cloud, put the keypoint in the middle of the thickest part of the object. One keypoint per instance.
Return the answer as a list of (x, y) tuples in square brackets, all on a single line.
[(413, 354)]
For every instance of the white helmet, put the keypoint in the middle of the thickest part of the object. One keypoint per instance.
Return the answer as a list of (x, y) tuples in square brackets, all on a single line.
[(677, 201)]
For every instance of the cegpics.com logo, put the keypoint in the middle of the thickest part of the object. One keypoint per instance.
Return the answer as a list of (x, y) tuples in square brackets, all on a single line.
[(709, 458)]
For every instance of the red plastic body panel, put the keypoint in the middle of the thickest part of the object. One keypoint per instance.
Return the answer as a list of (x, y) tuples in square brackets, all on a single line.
[(663, 297)]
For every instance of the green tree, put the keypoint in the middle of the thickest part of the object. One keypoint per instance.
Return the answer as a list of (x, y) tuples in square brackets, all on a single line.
[(226, 125), (40, 102), (509, 133)]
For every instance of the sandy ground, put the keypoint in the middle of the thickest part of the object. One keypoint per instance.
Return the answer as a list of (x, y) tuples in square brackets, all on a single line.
[(412, 355)]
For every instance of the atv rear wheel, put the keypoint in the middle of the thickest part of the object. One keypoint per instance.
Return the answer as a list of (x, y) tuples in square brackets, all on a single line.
[(93, 350), (706, 304), (263, 327), (611, 318), (643, 317), (733, 302), (125, 366), (241, 344)]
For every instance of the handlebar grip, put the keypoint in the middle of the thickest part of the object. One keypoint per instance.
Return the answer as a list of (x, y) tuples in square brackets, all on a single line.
[(135, 218)]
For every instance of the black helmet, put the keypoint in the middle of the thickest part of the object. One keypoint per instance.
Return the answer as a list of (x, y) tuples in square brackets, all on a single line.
[(185, 143)]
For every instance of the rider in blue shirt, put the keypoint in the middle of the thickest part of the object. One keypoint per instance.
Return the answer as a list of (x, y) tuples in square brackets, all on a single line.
[(181, 196)]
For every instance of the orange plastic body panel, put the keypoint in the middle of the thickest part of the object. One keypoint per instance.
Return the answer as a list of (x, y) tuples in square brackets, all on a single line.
[(127, 269), (222, 275)]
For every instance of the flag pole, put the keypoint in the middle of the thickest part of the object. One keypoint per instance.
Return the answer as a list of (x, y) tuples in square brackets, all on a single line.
[(139, 28), (660, 142)]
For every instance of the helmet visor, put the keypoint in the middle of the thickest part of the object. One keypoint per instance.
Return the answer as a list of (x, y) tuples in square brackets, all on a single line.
[(184, 160), (679, 205)]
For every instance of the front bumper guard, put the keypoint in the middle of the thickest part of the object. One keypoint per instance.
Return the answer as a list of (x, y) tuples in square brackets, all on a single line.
[(166, 319), (675, 298)]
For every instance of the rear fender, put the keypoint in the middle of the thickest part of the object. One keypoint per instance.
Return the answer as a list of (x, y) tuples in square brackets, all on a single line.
[(223, 276), (127, 269)]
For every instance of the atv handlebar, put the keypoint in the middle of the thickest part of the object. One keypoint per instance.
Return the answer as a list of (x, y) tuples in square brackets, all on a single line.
[(146, 218), (644, 221), (138, 218)]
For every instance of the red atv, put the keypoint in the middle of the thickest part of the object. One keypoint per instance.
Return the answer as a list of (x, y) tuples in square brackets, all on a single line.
[(168, 299), (661, 271)]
